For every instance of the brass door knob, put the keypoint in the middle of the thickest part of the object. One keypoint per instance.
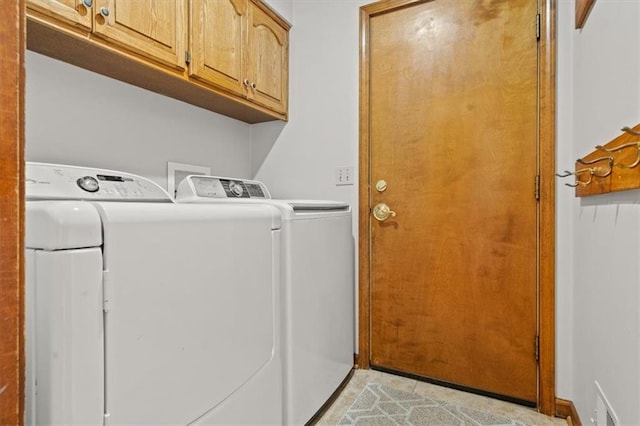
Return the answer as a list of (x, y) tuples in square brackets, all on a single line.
[(382, 212)]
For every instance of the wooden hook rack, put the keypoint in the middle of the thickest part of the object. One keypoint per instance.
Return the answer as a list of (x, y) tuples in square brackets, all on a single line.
[(609, 168)]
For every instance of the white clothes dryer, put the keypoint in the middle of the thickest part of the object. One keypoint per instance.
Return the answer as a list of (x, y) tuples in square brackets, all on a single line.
[(142, 311), (318, 288)]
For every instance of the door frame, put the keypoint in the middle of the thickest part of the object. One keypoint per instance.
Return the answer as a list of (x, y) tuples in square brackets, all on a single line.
[(12, 48), (546, 206)]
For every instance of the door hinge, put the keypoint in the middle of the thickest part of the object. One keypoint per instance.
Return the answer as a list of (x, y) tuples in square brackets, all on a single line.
[(187, 57), (106, 291), (106, 419), (536, 190), (537, 347), (538, 26)]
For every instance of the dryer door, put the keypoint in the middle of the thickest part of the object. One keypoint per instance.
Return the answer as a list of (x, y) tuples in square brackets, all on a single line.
[(191, 307)]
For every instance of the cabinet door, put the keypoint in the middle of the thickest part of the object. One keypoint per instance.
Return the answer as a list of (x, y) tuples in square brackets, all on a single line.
[(267, 60), (151, 28), (217, 43), (74, 12)]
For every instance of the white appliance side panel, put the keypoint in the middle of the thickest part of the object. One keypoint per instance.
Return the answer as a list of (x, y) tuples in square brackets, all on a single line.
[(30, 338), (191, 308), (320, 317), (68, 336)]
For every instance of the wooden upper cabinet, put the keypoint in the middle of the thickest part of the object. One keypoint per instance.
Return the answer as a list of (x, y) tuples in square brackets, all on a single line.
[(241, 46), (74, 12), (151, 28), (217, 42), (228, 56), (267, 59)]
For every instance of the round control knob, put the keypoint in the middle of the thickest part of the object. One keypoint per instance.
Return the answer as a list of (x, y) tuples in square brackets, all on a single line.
[(88, 183), (236, 189)]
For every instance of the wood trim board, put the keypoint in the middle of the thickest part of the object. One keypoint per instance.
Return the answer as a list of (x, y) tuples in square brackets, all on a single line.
[(12, 34), (364, 226), (583, 8), (566, 410), (547, 241), (546, 167)]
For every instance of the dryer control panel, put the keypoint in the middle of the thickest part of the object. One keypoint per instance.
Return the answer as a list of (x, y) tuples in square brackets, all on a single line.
[(46, 181), (197, 187)]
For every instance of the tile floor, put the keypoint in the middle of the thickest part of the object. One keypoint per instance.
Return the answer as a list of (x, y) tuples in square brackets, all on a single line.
[(362, 377)]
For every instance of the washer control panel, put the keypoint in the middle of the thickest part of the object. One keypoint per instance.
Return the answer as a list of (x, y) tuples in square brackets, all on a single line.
[(57, 181), (197, 187)]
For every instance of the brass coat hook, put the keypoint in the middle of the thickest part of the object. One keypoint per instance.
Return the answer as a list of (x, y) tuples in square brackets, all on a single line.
[(594, 170), (577, 173), (630, 131), (621, 147)]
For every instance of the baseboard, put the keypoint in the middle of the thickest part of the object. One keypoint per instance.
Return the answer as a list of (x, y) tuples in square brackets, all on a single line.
[(566, 410)]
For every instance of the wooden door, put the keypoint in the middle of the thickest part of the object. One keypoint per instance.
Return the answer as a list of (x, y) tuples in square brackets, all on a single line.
[(74, 12), (453, 122), (267, 59), (217, 43), (154, 29)]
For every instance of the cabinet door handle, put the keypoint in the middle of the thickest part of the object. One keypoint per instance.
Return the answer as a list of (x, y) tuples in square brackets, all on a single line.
[(245, 81), (104, 11), (253, 85), (87, 3)]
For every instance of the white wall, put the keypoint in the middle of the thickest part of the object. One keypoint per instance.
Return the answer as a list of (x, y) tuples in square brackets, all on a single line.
[(283, 7), (602, 291), (298, 159), (74, 116), (564, 204)]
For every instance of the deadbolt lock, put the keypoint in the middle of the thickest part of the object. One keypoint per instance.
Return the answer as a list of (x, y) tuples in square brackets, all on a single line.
[(382, 212), (381, 185)]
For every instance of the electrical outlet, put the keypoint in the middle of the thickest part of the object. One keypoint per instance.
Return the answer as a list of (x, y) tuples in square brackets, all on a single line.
[(344, 176)]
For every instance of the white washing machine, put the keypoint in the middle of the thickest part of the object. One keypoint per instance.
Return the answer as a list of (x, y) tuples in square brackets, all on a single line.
[(318, 288), (141, 311)]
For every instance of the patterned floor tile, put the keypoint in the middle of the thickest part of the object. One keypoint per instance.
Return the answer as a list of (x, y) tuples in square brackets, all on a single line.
[(383, 405), (409, 394)]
